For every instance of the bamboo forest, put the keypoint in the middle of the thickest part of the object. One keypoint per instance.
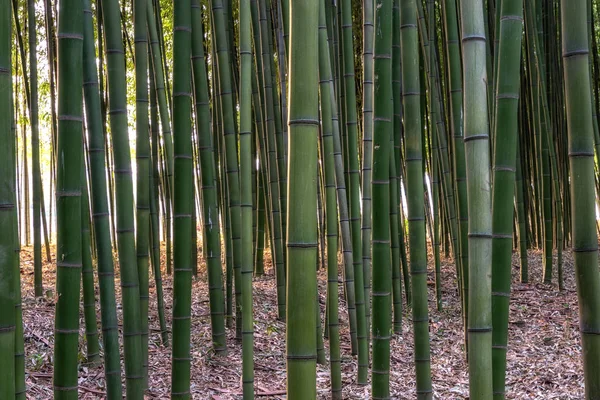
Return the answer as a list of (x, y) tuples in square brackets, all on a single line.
[(299, 199)]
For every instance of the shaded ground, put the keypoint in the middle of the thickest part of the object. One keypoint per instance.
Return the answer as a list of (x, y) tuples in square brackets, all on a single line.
[(543, 358)]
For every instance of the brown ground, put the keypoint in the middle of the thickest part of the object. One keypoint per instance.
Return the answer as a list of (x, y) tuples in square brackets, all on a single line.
[(543, 358)]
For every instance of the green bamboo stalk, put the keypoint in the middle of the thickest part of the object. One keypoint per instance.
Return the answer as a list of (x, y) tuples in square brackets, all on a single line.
[(415, 194), (354, 191), (160, 39), (117, 89), (506, 127), (477, 162), (367, 153), (395, 242), (522, 228), (382, 134), (440, 161), (321, 359), (87, 277), (246, 167), (302, 214), (543, 119), (258, 140), (458, 149), (154, 205), (349, 286), (558, 212), (230, 148), (320, 220), (19, 349), (221, 184), (434, 142), (7, 211), (25, 225), (398, 134), (254, 178), (285, 11), (159, 79), (142, 156), (35, 148), (194, 223), (259, 266), (547, 199), (68, 199), (183, 200), (51, 54), (437, 221), (278, 117), (347, 250), (24, 205), (101, 216), (282, 61), (575, 52), (209, 194), (331, 212), (274, 189)]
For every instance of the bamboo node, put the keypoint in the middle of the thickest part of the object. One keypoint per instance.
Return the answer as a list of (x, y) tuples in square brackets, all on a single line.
[(66, 331), (589, 332), (7, 328), (63, 264), (581, 154), (76, 118), (302, 245), (75, 36), (308, 357), (479, 136), (572, 53), (480, 330), (481, 235), (474, 37), (65, 388)]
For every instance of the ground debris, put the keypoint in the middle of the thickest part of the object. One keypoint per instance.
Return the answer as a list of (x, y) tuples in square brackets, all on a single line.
[(544, 357)]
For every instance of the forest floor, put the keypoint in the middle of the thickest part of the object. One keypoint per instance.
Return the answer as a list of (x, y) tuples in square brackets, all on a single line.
[(543, 356)]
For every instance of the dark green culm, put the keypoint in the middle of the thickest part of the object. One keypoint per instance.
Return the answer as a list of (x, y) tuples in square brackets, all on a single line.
[(575, 51), (353, 188), (455, 83), (183, 201), (382, 263), (209, 190), (142, 158), (35, 148), (99, 207), (477, 161), (367, 154), (246, 181), (157, 56), (117, 112), (154, 211), (231, 165), (7, 211), (68, 199), (505, 158), (328, 110), (415, 194), (303, 126), (87, 276), (273, 172)]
